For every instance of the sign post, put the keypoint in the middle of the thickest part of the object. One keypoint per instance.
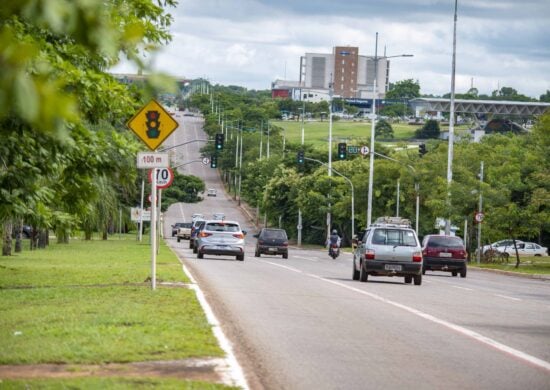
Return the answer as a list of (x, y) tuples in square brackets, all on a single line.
[(152, 124)]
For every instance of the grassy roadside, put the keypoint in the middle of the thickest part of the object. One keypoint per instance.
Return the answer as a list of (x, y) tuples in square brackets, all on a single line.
[(90, 302)]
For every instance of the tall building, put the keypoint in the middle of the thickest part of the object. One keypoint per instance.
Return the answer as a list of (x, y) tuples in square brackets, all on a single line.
[(350, 75)]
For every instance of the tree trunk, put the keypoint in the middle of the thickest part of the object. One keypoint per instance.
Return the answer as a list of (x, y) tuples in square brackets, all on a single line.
[(42, 239), (6, 247)]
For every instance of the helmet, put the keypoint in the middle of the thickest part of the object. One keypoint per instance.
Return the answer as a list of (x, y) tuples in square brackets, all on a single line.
[(334, 231)]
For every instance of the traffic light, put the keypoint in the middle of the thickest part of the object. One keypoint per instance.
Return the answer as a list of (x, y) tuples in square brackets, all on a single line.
[(342, 150), (301, 157), (219, 141), (213, 161), (422, 150)]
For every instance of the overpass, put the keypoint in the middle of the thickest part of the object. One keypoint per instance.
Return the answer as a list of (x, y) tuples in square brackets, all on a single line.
[(463, 106)]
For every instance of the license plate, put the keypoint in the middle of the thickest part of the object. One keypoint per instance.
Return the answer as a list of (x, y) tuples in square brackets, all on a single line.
[(392, 267), (222, 246), (272, 249), (445, 254)]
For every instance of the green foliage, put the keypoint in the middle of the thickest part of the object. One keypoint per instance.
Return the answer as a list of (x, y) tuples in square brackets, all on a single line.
[(429, 130), (184, 188), (404, 89), (383, 129)]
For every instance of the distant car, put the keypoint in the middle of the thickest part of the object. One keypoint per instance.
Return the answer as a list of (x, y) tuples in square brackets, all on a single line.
[(218, 216), (184, 231), (175, 228), (196, 216), (527, 249), (444, 253), (500, 246), (389, 247), (271, 242), (212, 192), (221, 238)]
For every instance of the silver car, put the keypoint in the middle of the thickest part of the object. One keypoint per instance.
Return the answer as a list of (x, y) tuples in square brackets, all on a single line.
[(389, 247), (220, 238)]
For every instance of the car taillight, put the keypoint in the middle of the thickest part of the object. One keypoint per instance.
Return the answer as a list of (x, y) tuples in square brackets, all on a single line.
[(238, 235), (204, 234), (369, 255), (417, 257)]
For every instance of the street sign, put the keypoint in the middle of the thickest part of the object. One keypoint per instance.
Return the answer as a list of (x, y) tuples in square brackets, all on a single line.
[(152, 124), (364, 150), (353, 149), (135, 213), (479, 217), (205, 160), (164, 176), (152, 160)]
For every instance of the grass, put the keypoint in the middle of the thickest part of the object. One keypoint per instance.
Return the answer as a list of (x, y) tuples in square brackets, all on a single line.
[(108, 383), (90, 302), (316, 132), (528, 265)]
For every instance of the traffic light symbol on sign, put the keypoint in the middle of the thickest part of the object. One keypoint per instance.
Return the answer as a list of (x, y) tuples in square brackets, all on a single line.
[(422, 150), (219, 141), (213, 161), (300, 157), (342, 150)]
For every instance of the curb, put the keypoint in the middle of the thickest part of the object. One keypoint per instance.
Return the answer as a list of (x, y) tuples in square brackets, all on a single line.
[(510, 273)]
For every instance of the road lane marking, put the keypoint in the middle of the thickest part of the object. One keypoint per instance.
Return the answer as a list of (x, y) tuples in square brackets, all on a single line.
[(457, 328), (305, 258), (283, 266), (463, 288), (507, 297)]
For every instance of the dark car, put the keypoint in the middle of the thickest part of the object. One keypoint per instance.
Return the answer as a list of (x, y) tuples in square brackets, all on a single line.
[(444, 253), (272, 242)]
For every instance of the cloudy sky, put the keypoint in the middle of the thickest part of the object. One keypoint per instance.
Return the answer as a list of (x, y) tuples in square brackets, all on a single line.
[(251, 43)]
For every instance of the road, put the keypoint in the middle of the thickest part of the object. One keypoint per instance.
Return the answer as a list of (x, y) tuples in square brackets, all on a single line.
[(302, 323)]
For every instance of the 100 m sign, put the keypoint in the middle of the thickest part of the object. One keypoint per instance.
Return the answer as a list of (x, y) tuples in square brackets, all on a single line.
[(147, 160)]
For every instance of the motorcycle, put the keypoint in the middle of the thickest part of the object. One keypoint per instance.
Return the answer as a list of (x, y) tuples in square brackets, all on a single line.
[(334, 251)]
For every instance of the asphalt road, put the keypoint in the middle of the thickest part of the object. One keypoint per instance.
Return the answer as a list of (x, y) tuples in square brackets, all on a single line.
[(302, 323)]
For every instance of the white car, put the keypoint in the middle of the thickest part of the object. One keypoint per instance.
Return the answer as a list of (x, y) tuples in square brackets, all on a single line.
[(218, 216), (527, 249), (501, 245), (211, 192), (221, 238)]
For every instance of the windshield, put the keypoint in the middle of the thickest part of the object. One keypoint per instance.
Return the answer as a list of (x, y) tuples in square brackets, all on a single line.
[(396, 237), (274, 234), (222, 227), (445, 242)]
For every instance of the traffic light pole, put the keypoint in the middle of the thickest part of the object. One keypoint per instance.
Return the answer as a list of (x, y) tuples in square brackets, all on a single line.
[(352, 192)]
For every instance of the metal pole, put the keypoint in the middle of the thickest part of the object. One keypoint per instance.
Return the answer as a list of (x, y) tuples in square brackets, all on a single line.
[(397, 211), (479, 211), (329, 216), (154, 231), (141, 210), (267, 151), (372, 132), (417, 189), (303, 114), (451, 128), (240, 166)]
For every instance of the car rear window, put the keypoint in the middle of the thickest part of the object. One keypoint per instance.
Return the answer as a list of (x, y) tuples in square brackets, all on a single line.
[(394, 237), (445, 242), (274, 234), (222, 227), (186, 224)]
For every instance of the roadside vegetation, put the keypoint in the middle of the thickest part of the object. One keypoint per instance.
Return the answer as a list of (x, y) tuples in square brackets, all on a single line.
[(515, 187), (91, 303)]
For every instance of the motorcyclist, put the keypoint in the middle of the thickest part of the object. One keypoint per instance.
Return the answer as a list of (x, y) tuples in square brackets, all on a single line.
[(334, 239)]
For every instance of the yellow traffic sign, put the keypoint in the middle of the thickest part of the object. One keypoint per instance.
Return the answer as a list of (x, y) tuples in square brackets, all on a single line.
[(152, 124)]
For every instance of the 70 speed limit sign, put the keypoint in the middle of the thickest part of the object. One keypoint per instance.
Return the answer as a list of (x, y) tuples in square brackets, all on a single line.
[(164, 177)]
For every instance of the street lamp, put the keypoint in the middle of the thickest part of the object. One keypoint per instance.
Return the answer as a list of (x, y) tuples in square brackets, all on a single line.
[(373, 121)]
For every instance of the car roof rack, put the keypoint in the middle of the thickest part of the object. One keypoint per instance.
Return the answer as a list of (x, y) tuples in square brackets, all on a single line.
[(392, 221)]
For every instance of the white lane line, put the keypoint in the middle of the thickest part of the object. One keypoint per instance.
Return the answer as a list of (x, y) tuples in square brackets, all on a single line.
[(305, 258), (457, 328), (232, 374), (507, 297), (181, 210), (463, 288), (283, 266)]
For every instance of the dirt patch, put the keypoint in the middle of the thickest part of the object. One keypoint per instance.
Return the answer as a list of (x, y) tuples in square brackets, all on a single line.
[(208, 370)]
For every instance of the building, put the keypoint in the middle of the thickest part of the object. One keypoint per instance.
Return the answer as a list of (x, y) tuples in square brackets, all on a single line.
[(350, 75)]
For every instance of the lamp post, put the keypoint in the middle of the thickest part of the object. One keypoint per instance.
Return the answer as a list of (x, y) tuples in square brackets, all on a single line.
[(373, 127)]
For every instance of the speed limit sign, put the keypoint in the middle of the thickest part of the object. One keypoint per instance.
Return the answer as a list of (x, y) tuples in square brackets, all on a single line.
[(479, 217), (164, 177)]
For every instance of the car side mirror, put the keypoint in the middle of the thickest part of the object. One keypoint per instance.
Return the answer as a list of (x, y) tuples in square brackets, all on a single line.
[(256, 235), (244, 232)]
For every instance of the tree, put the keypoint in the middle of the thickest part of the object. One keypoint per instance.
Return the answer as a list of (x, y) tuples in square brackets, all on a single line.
[(383, 129), (429, 130), (404, 89), (545, 97)]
